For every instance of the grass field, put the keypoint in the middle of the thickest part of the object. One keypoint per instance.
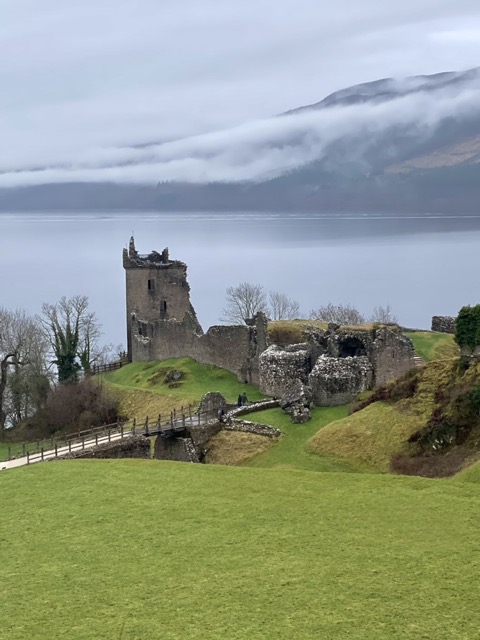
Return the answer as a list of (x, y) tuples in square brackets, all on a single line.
[(431, 345), (127, 550)]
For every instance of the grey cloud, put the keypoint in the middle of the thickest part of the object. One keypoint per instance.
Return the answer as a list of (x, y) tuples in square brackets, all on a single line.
[(80, 80), (260, 149)]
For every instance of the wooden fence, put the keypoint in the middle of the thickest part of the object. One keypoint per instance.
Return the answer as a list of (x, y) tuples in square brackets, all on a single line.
[(79, 441), (177, 421), (106, 368)]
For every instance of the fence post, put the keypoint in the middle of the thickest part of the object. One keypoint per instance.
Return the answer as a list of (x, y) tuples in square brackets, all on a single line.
[(121, 431), (134, 427), (183, 420), (83, 443), (96, 439), (198, 417), (56, 450), (9, 452), (28, 458), (171, 419), (41, 452), (109, 435), (174, 414), (190, 411), (145, 426)]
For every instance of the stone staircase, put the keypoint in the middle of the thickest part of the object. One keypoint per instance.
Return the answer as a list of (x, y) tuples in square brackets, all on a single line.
[(419, 362)]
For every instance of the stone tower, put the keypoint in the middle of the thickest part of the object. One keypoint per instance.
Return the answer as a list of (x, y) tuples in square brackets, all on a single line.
[(158, 299)]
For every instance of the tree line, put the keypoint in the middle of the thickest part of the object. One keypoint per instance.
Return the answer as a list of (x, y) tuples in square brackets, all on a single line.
[(60, 344), (246, 299)]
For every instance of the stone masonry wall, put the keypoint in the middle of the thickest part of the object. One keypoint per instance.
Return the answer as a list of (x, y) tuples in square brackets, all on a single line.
[(177, 449), (443, 324), (392, 356), (337, 381), (280, 367)]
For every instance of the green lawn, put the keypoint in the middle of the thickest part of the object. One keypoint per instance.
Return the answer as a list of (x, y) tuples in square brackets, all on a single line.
[(290, 452), (431, 345), (141, 550), (197, 380)]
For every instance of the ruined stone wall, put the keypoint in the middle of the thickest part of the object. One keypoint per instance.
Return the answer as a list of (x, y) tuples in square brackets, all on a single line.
[(337, 381), (280, 367), (337, 364), (259, 429), (177, 449), (443, 324), (392, 355), (227, 347), (163, 339)]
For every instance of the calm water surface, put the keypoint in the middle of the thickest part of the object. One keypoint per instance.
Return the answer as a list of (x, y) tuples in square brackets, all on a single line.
[(420, 266)]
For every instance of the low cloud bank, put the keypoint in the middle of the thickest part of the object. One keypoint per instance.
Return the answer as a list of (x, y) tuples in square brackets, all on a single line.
[(257, 150)]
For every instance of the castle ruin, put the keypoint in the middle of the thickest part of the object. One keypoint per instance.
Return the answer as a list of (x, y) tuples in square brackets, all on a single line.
[(162, 323), (337, 363)]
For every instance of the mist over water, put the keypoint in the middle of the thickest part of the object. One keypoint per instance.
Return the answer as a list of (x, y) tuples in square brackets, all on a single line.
[(421, 266)]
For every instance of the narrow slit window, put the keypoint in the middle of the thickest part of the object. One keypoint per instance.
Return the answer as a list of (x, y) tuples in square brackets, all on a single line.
[(151, 285), (163, 306)]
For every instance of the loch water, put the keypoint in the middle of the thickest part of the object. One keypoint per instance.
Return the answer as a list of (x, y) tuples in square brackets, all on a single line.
[(420, 265)]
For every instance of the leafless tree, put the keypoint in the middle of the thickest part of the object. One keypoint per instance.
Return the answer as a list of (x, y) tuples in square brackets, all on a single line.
[(383, 315), (24, 381), (282, 307), (243, 302), (343, 314), (73, 333)]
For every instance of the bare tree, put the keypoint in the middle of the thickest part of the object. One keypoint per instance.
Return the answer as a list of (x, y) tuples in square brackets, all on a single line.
[(383, 315), (282, 307), (243, 302), (24, 381), (340, 314), (73, 333)]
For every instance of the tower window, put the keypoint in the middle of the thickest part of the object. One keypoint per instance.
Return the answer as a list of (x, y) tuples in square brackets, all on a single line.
[(163, 306), (151, 285)]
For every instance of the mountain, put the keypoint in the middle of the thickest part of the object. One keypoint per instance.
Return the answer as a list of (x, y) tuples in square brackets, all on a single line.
[(392, 145)]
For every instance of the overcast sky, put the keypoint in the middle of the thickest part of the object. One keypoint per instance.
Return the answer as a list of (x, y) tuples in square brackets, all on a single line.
[(82, 81)]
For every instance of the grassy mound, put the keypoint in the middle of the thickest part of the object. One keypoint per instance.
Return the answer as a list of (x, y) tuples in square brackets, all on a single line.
[(293, 331), (290, 452), (148, 388), (144, 549), (471, 474), (431, 345), (235, 448), (436, 423)]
